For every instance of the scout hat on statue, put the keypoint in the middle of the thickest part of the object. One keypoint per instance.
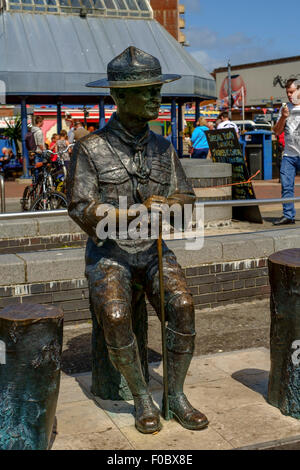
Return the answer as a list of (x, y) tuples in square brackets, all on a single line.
[(133, 68)]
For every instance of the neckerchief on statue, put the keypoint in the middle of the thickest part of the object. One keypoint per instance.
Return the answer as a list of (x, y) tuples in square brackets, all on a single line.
[(138, 170)]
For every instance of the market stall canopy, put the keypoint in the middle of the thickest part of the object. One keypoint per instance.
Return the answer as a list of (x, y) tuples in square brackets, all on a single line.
[(55, 53)]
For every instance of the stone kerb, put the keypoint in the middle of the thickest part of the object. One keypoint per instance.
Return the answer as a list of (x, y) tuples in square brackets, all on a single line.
[(35, 234)]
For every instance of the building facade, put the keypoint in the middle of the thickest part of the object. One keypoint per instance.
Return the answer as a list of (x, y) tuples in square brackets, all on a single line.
[(263, 83), (170, 14)]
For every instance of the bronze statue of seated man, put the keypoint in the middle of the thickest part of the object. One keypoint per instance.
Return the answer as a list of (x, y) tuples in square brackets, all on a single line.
[(126, 159)]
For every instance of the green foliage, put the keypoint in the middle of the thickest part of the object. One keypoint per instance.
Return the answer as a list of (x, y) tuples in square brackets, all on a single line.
[(13, 132), (189, 129)]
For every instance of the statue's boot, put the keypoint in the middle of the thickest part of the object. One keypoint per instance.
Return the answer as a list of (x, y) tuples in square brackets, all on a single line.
[(126, 360), (180, 348)]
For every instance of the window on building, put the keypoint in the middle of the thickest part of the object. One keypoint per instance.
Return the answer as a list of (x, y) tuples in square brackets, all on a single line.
[(114, 8)]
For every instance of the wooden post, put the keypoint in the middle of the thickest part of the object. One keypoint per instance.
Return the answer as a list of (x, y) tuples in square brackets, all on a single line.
[(107, 382), (29, 374), (284, 380)]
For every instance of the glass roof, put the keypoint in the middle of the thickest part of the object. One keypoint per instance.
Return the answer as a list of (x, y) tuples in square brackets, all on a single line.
[(110, 8)]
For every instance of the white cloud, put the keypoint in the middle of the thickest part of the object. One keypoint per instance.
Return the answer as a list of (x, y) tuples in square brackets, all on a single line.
[(213, 50), (209, 63), (208, 39), (192, 5)]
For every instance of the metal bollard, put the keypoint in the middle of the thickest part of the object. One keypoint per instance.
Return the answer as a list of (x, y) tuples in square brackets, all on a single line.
[(2, 192)]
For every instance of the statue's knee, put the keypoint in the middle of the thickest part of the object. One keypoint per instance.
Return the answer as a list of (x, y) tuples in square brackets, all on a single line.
[(116, 314), (183, 302), (117, 324), (181, 313)]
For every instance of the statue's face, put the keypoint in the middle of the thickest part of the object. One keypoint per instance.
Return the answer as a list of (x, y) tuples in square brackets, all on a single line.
[(140, 102)]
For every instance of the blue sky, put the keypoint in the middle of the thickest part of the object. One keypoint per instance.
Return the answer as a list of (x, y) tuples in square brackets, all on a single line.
[(242, 31)]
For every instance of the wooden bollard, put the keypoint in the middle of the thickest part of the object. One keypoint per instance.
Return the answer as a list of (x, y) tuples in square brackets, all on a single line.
[(31, 339), (284, 380)]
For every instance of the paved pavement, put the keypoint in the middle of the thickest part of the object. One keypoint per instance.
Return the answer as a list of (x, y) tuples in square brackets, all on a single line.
[(227, 380), (230, 388)]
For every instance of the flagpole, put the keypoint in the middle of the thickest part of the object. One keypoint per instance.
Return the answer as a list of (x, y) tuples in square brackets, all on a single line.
[(229, 91), (243, 107)]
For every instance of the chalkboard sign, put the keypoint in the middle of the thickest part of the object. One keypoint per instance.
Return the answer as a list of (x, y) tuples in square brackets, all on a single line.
[(225, 148)]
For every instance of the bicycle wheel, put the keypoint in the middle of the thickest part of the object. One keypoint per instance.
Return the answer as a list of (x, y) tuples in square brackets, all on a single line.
[(50, 202), (29, 195)]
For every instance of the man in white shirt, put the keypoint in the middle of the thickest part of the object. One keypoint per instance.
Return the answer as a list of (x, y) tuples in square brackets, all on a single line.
[(38, 134), (226, 123), (289, 123)]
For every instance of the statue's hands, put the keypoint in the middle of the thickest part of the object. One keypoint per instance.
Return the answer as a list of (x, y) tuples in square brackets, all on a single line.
[(124, 213), (154, 202)]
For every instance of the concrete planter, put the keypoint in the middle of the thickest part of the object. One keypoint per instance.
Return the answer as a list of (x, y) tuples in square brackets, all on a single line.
[(208, 180)]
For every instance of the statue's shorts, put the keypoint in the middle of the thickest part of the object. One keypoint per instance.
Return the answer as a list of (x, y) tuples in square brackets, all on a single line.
[(112, 272)]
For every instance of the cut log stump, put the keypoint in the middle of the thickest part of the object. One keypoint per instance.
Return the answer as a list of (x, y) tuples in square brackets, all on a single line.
[(284, 380), (107, 382), (31, 339)]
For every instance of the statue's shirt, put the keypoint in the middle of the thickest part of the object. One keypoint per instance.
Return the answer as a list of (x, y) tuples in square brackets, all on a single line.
[(111, 163)]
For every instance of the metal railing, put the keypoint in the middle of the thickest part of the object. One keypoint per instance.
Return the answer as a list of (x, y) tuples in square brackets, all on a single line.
[(232, 203), (2, 194), (249, 202)]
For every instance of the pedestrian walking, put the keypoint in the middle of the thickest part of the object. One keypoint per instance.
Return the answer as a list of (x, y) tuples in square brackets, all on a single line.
[(199, 140), (225, 122), (289, 123)]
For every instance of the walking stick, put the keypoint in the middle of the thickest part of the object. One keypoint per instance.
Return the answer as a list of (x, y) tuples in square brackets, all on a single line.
[(163, 321)]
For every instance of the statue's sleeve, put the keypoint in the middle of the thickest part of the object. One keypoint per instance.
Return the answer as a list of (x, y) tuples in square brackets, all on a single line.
[(179, 183), (82, 190)]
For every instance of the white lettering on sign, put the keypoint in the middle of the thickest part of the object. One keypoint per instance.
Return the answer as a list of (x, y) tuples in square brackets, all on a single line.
[(296, 353)]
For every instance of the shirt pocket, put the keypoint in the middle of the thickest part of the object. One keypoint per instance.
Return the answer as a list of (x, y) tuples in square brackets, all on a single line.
[(115, 176), (161, 170)]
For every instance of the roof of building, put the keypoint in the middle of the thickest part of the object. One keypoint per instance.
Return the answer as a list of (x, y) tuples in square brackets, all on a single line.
[(55, 55), (263, 63)]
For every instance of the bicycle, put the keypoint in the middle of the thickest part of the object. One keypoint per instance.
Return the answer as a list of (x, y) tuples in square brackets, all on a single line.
[(34, 190), (40, 194), (53, 181), (59, 171)]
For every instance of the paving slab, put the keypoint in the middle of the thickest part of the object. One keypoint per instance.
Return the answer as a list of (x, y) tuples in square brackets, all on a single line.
[(12, 270), (70, 392), (18, 229), (81, 417), (201, 371), (43, 266), (171, 437), (230, 388), (253, 424), (105, 440)]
